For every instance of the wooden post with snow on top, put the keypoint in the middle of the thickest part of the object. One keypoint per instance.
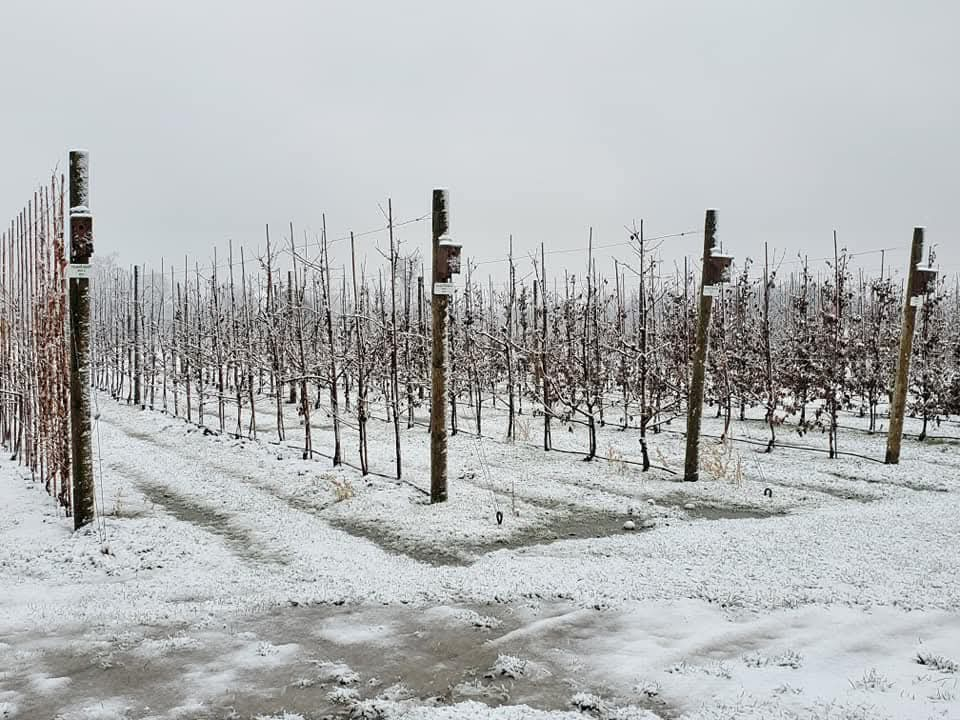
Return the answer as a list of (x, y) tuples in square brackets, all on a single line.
[(81, 248), (715, 270), (918, 280), (446, 263)]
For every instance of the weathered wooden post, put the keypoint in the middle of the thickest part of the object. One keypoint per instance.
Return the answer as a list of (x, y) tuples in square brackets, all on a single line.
[(716, 269), (137, 354), (81, 248), (292, 399), (918, 281), (446, 262)]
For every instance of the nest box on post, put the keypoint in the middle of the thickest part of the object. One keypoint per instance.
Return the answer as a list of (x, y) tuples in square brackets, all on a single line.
[(920, 281), (717, 269), (923, 280), (447, 259)]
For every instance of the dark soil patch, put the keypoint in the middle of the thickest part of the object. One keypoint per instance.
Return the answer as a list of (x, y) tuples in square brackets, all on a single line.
[(709, 510), (908, 485), (295, 502), (241, 541), (932, 440), (571, 523), (565, 523), (399, 546), (841, 493)]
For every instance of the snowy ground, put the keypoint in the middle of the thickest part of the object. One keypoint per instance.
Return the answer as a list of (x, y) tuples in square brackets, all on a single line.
[(231, 579)]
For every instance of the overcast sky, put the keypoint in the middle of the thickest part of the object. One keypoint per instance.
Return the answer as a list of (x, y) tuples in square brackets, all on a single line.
[(207, 119)]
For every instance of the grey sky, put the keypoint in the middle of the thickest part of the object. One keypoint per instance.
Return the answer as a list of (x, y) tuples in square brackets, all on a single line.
[(207, 119)]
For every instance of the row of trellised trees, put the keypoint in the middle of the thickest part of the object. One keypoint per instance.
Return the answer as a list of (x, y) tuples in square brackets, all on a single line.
[(34, 355), (228, 345)]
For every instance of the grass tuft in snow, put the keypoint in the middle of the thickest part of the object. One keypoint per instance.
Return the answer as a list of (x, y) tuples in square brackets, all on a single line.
[(343, 696), (397, 692), (942, 694), (477, 689), (508, 666), (937, 662), (837, 710), (265, 649), (337, 672), (791, 659), (588, 702), (725, 598), (370, 710), (718, 669), (477, 620), (649, 688), (680, 668), (872, 680), (787, 689)]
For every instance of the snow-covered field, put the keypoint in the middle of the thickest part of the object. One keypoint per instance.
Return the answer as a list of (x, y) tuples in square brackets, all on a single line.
[(232, 579)]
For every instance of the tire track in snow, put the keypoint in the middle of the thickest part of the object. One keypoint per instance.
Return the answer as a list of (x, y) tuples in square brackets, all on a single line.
[(295, 502), (320, 556)]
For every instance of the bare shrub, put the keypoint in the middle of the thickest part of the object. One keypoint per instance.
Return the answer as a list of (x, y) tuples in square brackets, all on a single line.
[(523, 429), (723, 462), (342, 487), (615, 457)]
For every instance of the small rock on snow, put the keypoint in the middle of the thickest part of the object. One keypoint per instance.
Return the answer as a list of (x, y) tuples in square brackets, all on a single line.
[(629, 525)]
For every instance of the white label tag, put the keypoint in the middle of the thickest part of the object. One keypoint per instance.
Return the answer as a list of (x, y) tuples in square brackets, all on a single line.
[(79, 271), (711, 291), (916, 301), (443, 288)]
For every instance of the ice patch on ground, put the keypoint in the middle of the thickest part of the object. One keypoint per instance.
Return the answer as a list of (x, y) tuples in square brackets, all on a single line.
[(344, 631)]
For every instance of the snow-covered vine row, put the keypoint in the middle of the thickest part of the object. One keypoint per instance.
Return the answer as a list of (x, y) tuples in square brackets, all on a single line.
[(547, 346), (34, 378)]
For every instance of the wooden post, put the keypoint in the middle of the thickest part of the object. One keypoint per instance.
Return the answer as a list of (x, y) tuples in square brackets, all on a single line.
[(544, 339), (81, 248), (714, 271), (394, 371), (897, 409), (421, 337), (446, 261), (292, 399), (137, 356)]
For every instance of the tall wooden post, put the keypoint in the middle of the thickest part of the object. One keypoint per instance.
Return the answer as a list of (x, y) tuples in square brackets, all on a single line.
[(715, 270), (446, 262), (81, 248), (917, 283), (137, 353), (292, 399)]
